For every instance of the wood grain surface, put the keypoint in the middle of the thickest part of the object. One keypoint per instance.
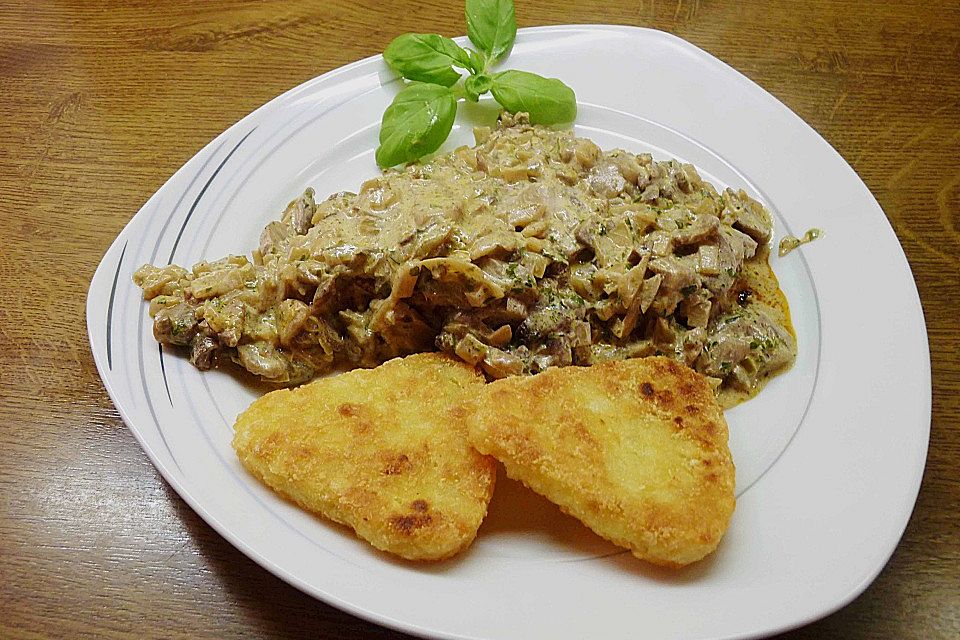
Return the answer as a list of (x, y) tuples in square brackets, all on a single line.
[(101, 101)]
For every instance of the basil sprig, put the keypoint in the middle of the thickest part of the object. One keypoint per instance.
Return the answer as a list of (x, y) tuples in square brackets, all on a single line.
[(421, 115)]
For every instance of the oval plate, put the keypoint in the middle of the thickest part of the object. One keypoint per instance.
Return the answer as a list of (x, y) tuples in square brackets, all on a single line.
[(829, 457)]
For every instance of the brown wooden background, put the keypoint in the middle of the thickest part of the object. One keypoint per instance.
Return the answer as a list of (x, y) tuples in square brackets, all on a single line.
[(101, 101)]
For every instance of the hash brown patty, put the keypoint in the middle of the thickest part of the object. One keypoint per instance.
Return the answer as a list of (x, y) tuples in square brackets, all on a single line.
[(378, 450), (635, 449)]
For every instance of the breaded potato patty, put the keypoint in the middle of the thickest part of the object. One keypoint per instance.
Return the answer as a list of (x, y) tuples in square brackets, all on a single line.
[(378, 450), (636, 449)]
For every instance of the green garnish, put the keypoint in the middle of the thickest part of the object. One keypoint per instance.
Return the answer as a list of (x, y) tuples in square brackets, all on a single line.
[(491, 27), (427, 57), (416, 123), (547, 100), (421, 116)]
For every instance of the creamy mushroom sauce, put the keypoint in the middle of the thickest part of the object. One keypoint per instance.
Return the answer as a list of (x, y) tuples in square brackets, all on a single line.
[(532, 249), (788, 243)]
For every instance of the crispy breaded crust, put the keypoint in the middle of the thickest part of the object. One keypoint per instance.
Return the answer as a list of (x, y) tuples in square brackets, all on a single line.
[(637, 450), (378, 450)]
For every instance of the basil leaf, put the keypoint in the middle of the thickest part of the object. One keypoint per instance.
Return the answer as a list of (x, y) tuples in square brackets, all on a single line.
[(477, 63), (476, 86), (491, 26), (426, 57), (547, 100), (416, 123)]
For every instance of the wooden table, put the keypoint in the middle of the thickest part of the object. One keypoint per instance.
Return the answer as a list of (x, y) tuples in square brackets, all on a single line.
[(101, 101)]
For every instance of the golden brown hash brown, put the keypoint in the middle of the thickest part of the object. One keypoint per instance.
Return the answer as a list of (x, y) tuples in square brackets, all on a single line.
[(636, 449), (378, 450)]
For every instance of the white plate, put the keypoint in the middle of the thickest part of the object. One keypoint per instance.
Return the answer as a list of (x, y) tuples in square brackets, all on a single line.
[(829, 457)]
